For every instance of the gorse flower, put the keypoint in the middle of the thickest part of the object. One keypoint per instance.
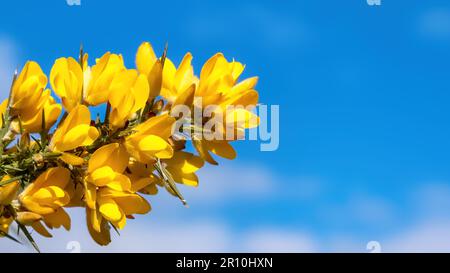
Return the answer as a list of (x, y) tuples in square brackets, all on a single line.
[(179, 84), (108, 190), (44, 200), (107, 163), (98, 79), (30, 101), (75, 131), (128, 94), (150, 66), (66, 78), (150, 140)]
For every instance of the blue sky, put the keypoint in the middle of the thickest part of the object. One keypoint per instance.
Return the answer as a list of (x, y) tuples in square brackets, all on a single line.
[(364, 135)]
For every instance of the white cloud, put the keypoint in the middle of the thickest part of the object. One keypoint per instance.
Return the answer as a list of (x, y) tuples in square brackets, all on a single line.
[(173, 236), (429, 231), (279, 240), (230, 181), (170, 227), (8, 63), (369, 209), (140, 235), (220, 183), (423, 237)]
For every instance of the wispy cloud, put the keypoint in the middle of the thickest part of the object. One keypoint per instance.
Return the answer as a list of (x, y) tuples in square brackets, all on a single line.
[(277, 239)]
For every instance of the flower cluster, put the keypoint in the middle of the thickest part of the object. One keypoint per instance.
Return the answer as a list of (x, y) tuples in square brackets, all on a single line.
[(55, 155)]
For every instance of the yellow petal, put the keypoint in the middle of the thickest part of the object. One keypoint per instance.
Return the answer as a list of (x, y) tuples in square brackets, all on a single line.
[(5, 222), (98, 228), (28, 218), (8, 192), (244, 85), (145, 58), (242, 98), (57, 219), (242, 118), (90, 194), (168, 79), (109, 209), (202, 149), (113, 155), (185, 162), (75, 137), (186, 97), (221, 148), (150, 189), (71, 159), (155, 79), (75, 130), (184, 74), (66, 78), (188, 179), (56, 176), (160, 126), (101, 77), (133, 204), (120, 183), (102, 176), (34, 206), (3, 107), (155, 146), (39, 228), (49, 194), (139, 183), (121, 223)]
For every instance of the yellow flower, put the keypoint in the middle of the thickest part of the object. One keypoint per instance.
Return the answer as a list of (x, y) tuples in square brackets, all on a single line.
[(29, 100), (45, 198), (28, 87), (218, 85), (74, 132), (142, 178), (150, 139), (5, 222), (8, 192), (3, 107), (66, 78), (48, 192), (32, 118), (105, 169), (98, 227), (128, 94), (149, 65), (97, 83), (108, 192), (182, 167), (179, 84)]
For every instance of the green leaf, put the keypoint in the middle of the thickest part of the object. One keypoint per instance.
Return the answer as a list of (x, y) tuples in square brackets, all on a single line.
[(28, 235), (169, 182), (114, 227), (2, 233)]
